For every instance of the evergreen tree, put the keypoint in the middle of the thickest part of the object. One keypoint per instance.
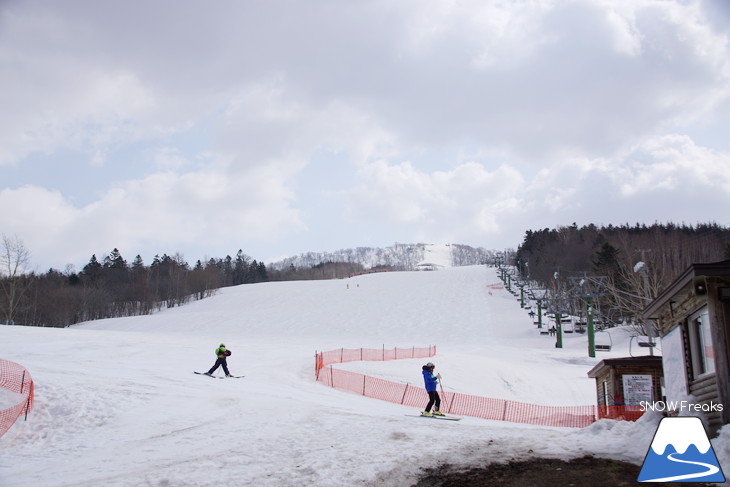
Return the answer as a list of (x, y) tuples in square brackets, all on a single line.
[(92, 270)]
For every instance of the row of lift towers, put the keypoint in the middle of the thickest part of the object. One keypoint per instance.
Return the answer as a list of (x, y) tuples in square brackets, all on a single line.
[(587, 288)]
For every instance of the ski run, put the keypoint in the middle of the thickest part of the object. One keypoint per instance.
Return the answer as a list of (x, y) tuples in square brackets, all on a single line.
[(116, 403)]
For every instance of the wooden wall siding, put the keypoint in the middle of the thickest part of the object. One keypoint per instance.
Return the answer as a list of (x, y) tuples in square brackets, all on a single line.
[(675, 312), (705, 392)]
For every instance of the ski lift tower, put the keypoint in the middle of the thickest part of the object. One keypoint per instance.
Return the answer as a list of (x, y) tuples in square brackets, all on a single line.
[(521, 285), (556, 305), (589, 287), (539, 296)]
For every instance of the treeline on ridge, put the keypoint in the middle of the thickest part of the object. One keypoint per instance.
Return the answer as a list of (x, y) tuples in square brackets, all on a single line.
[(549, 258), (113, 288)]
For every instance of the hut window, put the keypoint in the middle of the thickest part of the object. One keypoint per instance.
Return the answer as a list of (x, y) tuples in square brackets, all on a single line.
[(701, 351)]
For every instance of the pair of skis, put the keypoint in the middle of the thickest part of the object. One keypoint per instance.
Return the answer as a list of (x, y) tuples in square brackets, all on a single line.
[(221, 377), (436, 416), (445, 418)]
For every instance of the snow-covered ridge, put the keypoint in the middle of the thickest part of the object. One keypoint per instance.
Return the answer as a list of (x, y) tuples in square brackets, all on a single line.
[(402, 256)]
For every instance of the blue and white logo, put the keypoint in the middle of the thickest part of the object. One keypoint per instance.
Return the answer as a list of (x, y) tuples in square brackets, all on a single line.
[(681, 452)]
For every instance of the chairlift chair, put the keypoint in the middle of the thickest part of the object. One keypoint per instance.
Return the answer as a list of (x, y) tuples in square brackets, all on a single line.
[(642, 341), (645, 342), (605, 343)]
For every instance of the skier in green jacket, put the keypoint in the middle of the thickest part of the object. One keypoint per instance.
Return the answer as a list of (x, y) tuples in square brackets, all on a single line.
[(222, 353)]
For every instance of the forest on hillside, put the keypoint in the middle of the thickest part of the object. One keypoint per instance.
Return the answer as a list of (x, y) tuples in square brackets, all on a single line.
[(551, 259), (111, 287), (627, 265)]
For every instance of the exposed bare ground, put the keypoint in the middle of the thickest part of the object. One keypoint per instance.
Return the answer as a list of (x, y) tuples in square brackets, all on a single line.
[(541, 472)]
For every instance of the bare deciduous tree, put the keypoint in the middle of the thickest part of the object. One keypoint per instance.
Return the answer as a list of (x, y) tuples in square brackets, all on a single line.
[(14, 261)]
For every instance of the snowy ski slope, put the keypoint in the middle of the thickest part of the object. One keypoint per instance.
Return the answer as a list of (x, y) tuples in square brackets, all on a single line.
[(117, 403)]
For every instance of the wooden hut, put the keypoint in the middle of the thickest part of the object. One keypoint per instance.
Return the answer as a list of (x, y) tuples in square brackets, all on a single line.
[(628, 381), (693, 318)]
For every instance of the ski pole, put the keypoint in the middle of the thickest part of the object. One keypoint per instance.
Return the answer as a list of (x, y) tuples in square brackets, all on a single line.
[(448, 408)]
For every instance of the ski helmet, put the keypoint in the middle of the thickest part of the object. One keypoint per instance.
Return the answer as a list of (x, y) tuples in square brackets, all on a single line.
[(222, 345), (430, 365)]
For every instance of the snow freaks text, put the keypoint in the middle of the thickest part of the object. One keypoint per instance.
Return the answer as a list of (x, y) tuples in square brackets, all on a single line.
[(681, 406)]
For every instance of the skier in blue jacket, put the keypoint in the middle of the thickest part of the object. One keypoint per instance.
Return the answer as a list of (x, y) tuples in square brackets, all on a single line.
[(431, 382)]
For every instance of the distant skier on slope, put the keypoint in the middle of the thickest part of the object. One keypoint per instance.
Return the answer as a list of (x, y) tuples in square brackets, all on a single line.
[(222, 354), (431, 382)]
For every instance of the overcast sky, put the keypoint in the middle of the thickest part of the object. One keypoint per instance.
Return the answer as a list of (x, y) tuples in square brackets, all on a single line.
[(280, 127)]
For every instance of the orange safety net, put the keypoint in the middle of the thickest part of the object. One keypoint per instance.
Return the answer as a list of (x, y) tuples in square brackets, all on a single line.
[(454, 402), (15, 378), (622, 413)]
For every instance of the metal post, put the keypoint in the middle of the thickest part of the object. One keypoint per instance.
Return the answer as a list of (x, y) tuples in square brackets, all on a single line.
[(589, 287), (591, 327), (539, 313), (559, 330)]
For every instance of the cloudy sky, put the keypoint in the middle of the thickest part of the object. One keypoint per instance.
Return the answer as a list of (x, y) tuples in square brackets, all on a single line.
[(279, 127)]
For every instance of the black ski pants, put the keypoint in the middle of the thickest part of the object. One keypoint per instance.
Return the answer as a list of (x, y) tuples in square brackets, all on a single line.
[(433, 398), (220, 362)]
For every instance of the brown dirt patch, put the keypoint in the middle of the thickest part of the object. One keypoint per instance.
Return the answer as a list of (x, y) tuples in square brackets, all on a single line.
[(541, 472)]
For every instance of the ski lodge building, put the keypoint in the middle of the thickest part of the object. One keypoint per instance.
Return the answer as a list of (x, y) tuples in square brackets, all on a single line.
[(693, 319)]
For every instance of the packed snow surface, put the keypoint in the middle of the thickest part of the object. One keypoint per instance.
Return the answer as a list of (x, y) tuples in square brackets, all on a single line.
[(117, 403)]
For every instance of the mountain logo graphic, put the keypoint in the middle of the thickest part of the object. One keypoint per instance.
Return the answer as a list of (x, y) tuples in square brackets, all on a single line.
[(681, 452)]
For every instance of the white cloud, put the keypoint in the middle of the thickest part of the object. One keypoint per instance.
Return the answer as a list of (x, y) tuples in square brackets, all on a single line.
[(158, 214), (538, 76), (665, 178), (199, 124), (468, 200), (82, 108), (675, 162)]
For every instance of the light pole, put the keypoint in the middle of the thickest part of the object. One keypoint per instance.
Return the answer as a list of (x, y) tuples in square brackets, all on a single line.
[(642, 268)]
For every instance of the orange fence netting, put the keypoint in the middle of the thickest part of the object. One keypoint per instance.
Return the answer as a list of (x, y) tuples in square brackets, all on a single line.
[(453, 402), (15, 378)]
